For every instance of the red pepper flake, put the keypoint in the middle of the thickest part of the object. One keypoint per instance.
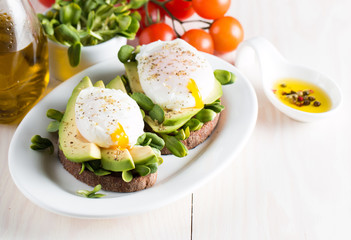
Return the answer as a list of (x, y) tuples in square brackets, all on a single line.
[(300, 99), (274, 90)]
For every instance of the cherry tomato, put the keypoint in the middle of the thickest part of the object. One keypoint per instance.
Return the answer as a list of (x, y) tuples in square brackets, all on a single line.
[(211, 9), (227, 33), (47, 3), (153, 10), (199, 39), (157, 31), (181, 9)]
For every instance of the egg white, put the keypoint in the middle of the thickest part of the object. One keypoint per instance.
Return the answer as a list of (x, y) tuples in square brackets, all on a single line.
[(98, 112), (165, 68)]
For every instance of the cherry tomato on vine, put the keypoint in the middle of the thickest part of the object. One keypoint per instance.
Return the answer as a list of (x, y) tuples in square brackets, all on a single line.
[(211, 9), (47, 3), (199, 39), (153, 11), (227, 33), (180, 9), (157, 31)]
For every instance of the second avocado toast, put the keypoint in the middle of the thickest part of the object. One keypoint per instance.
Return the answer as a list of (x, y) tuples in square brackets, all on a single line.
[(181, 127)]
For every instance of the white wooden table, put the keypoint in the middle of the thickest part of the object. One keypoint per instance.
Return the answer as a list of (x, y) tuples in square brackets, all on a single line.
[(291, 181)]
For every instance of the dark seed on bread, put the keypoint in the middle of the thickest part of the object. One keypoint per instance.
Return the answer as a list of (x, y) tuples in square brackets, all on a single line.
[(112, 182), (197, 137)]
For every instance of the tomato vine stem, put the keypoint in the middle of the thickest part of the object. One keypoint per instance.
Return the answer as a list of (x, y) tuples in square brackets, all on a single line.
[(174, 19)]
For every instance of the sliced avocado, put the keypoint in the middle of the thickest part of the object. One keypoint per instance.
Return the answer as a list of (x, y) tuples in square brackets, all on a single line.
[(143, 155), (116, 160), (73, 145), (216, 93), (133, 77), (99, 84), (173, 120), (117, 83)]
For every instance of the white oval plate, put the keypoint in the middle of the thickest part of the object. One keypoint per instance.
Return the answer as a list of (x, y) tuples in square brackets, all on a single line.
[(44, 181)]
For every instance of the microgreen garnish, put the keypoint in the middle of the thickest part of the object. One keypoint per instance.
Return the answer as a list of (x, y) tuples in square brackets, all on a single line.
[(205, 115), (85, 23), (215, 106), (54, 114), (175, 146), (53, 126), (91, 194), (39, 144), (152, 140), (127, 176), (224, 77)]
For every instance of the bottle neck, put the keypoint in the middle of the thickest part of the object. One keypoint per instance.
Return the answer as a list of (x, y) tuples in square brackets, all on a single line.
[(18, 25)]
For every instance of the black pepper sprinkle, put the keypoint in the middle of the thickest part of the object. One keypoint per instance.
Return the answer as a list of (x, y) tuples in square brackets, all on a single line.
[(316, 104), (311, 98)]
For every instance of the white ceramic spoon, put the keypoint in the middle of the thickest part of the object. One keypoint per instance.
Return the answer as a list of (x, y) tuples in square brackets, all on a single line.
[(274, 66)]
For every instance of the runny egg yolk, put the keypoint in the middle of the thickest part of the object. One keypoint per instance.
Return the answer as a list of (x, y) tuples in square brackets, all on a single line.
[(120, 137), (196, 93)]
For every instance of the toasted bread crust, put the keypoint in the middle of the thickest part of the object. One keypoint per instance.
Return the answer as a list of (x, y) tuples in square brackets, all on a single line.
[(197, 137), (112, 182)]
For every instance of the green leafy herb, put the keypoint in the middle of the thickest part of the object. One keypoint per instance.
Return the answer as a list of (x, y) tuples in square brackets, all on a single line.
[(89, 22), (187, 132), (74, 54), (125, 53), (53, 126), (143, 101), (128, 53), (152, 140), (94, 166), (153, 167), (215, 106), (157, 114), (101, 172), (193, 124), (82, 168), (175, 146), (205, 115), (54, 114), (91, 194), (142, 170), (224, 77), (39, 144), (181, 134), (127, 176)]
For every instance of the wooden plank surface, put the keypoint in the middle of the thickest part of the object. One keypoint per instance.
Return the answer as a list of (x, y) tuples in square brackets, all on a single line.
[(292, 181)]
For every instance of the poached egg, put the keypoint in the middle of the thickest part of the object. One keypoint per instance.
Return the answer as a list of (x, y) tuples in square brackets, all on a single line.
[(174, 75), (108, 118)]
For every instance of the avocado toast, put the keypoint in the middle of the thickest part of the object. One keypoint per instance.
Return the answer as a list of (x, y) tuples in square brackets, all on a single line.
[(178, 91), (118, 169)]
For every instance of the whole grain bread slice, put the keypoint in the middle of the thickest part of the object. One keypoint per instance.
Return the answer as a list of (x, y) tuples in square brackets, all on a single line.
[(197, 137), (112, 182)]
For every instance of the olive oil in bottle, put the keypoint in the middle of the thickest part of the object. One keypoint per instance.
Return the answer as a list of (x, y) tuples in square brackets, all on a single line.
[(23, 60)]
